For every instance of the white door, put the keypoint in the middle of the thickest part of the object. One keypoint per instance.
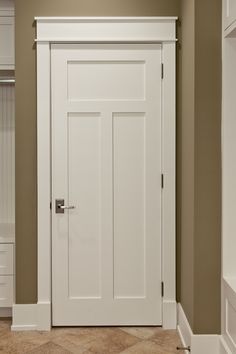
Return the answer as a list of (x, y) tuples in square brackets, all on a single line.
[(106, 161)]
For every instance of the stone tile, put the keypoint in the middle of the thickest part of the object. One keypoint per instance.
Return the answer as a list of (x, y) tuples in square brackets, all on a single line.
[(89, 340), (145, 347), (168, 340), (71, 347), (5, 326), (116, 342), (50, 348), (21, 342), (15, 347), (142, 332), (82, 336), (33, 337)]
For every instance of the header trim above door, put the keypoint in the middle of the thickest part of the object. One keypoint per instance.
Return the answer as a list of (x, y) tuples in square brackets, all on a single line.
[(104, 30)]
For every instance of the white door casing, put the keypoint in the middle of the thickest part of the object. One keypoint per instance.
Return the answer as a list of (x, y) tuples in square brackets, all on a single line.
[(105, 30), (106, 160)]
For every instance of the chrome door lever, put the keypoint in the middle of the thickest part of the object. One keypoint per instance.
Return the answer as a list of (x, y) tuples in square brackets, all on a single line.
[(60, 207), (66, 207)]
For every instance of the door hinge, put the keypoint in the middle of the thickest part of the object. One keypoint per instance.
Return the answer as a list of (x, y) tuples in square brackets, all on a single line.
[(162, 181), (50, 205), (162, 70), (162, 289)]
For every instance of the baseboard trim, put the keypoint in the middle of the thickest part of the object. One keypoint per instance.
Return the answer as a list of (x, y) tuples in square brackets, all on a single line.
[(31, 317), (169, 314), (28, 317), (204, 344), (224, 349), (5, 312)]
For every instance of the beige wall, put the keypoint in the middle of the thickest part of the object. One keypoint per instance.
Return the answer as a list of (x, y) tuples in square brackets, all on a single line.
[(26, 221), (199, 242), (207, 217), (198, 144), (185, 144)]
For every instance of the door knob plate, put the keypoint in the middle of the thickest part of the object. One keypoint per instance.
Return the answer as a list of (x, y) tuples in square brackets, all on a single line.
[(58, 204)]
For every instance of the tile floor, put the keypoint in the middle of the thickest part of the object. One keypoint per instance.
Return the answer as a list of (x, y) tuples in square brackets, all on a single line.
[(82, 340)]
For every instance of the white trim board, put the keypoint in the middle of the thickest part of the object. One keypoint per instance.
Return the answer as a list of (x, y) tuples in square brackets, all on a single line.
[(106, 29), (199, 344), (96, 30), (31, 317), (224, 349)]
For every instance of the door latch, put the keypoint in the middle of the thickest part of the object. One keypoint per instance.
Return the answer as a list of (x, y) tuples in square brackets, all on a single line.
[(60, 207), (184, 348)]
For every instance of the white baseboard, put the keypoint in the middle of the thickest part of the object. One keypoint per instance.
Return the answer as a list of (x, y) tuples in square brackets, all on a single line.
[(5, 312), (38, 316), (24, 317), (31, 317), (44, 316), (224, 349), (169, 320), (199, 344)]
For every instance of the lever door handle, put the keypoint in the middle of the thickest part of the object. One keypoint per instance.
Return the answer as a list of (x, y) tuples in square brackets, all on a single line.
[(60, 207), (66, 206)]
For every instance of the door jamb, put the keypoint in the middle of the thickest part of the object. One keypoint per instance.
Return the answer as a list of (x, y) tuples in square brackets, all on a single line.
[(94, 30)]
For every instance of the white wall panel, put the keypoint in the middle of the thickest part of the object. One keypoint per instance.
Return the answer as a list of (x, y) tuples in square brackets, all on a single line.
[(7, 154)]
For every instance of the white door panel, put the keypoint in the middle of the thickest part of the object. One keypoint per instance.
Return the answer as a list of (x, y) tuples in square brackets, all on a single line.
[(106, 161)]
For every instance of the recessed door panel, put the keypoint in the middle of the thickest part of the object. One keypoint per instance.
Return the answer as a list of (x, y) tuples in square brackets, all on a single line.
[(129, 160), (106, 80), (84, 191)]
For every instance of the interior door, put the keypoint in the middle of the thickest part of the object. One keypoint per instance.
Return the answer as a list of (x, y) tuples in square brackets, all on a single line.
[(106, 166)]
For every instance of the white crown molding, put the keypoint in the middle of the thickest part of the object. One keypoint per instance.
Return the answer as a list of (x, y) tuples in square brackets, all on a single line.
[(106, 19), (106, 29)]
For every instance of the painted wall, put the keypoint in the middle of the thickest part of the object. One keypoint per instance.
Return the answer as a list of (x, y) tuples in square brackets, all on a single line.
[(199, 240), (26, 221), (207, 216), (198, 144), (185, 145)]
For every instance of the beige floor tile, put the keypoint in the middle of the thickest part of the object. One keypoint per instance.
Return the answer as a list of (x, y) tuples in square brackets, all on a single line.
[(82, 336), (142, 332), (116, 342), (15, 347), (5, 326), (168, 340), (71, 347), (50, 348), (145, 347), (89, 340)]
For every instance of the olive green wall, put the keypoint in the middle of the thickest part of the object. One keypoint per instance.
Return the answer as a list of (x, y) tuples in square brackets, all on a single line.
[(26, 221), (198, 145), (199, 239), (185, 145), (207, 215)]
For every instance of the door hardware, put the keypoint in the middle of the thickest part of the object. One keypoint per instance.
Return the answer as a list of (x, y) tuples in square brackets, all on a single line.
[(184, 348), (60, 207)]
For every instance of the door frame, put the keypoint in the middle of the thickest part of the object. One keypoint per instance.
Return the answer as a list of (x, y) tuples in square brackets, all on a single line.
[(131, 30)]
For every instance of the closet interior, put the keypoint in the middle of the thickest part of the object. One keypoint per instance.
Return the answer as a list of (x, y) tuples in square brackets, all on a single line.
[(7, 157)]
